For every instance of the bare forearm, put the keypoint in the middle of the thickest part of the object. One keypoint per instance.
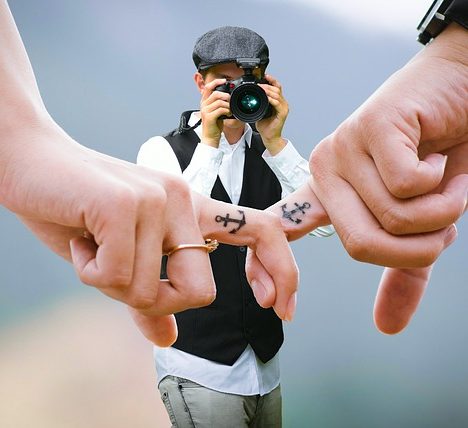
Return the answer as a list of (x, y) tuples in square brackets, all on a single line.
[(20, 101)]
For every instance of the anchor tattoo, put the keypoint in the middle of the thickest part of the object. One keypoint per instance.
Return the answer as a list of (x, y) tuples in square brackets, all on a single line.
[(289, 214), (228, 219)]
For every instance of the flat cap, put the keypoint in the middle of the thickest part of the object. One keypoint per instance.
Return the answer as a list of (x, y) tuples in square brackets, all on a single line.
[(227, 44)]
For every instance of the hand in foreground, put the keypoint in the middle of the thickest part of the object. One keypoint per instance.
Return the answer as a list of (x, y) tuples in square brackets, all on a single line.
[(399, 292), (114, 219), (261, 231), (394, 176)]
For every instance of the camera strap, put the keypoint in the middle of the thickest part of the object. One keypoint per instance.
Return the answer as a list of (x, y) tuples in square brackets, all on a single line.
[(183, 123)]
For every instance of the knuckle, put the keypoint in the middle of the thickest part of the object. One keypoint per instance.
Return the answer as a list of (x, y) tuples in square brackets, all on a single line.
[(396, 220), (318, 159), (123, 199), (403, 185), (141, 301), (358, 246), (130, 200), (429, 257), (148, 198), (153, 197), (219, 103), (117, 279), (201, 295), (425, 255), (366, 118), (366, 122), (86, 279), (177, 187), (361, 130), (207, 298)]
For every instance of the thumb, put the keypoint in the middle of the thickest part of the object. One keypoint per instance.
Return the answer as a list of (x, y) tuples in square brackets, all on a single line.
[(160, 330), (83, 251), (398, 297), (260, 281)]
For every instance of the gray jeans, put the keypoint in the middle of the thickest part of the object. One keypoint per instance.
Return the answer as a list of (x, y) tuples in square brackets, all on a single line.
[(191, 405)]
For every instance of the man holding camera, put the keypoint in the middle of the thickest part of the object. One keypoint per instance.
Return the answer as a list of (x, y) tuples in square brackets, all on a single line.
[(223, 370)]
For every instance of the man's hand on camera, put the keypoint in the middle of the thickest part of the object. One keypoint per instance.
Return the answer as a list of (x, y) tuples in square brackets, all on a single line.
[(271, 128), (213, 105)]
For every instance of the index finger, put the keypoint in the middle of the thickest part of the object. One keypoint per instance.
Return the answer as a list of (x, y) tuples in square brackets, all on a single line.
[(261, 231), (272, 81), (210, 87), (366, 240), (400, 292), (301, 212)]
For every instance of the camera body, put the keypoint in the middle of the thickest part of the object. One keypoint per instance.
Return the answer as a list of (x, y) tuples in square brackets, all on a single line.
[(249, 102)]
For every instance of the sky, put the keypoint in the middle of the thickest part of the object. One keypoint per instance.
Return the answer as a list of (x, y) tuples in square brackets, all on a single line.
[(389, 16)]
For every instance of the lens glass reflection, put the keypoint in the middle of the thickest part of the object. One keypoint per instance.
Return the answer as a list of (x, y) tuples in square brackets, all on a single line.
[(249, 103)]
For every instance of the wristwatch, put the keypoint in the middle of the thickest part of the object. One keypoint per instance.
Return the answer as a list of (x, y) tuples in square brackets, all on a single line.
[(440, 14)]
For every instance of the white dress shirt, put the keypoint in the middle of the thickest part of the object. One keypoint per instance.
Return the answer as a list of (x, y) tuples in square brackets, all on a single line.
[(248, 375)]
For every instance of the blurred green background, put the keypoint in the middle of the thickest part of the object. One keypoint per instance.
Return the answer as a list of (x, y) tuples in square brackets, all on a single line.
[(114, 73)]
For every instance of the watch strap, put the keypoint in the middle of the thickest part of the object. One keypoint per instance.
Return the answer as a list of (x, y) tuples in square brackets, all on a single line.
[(439, 15), (458, 12)]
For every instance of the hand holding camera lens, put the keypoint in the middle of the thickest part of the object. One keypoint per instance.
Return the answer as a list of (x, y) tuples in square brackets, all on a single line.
[(271, 127), (214, 105), (249, 102)]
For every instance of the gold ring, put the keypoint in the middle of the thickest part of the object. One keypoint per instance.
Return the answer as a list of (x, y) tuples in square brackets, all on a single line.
[(210, 245)]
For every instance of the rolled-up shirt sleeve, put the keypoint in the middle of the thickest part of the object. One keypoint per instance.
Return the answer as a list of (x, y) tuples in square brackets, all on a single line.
[(291, 169), (156, 153), (203, 168)]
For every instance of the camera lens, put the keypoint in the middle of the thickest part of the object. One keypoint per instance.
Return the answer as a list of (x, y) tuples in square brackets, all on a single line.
[(249, 103)]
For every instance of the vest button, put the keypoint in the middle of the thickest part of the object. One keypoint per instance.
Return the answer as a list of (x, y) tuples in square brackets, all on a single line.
[(242, 249)]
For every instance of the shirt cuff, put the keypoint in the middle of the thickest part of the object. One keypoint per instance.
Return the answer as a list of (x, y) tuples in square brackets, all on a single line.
[(288, 165), (286, 160), (323, 231)]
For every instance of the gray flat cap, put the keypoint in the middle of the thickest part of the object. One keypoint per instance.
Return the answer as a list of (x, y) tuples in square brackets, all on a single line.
[(226, 44)]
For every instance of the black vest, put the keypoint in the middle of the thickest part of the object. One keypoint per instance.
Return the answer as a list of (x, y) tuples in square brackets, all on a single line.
[(221, 331)]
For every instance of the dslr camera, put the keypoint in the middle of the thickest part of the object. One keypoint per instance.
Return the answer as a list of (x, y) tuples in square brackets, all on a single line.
[(249, 102)]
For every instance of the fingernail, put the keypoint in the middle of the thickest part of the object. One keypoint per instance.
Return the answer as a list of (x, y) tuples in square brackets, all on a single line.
[(466, 198), (444, 163), (291, 309), (440, 161), (450, 236), (258, 291)]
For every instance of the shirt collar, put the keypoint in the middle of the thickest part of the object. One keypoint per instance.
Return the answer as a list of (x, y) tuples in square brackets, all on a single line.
[(195, 117)]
